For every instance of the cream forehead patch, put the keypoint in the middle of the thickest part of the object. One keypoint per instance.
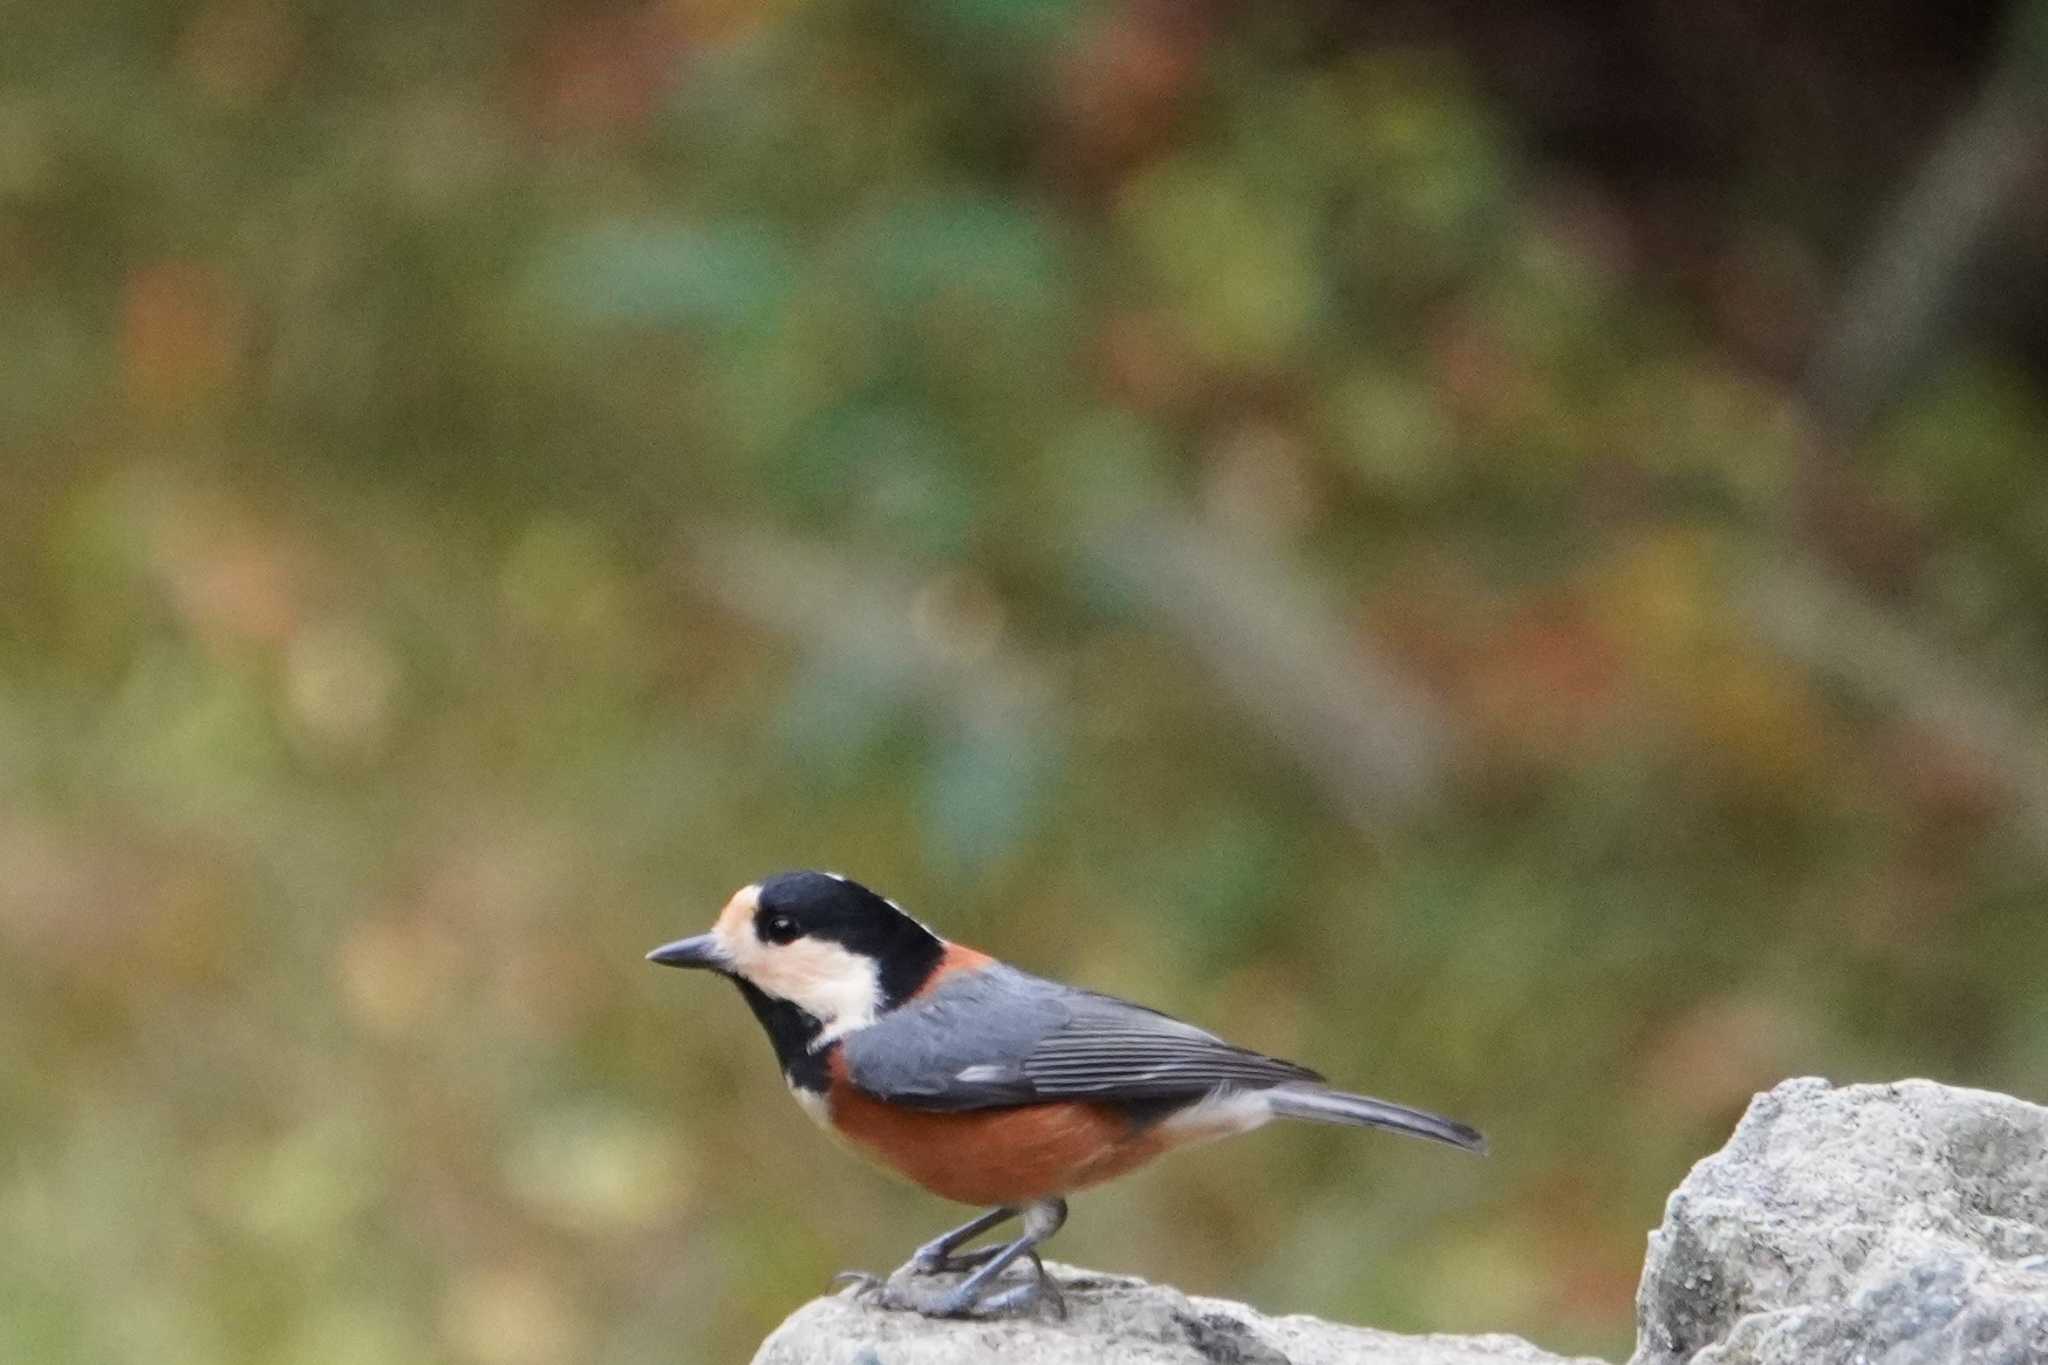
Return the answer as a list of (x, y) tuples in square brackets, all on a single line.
[(740, 909)]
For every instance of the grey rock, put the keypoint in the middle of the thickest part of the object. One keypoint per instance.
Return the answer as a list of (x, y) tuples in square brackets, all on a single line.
[(1117, 1320), (1900, 1224)]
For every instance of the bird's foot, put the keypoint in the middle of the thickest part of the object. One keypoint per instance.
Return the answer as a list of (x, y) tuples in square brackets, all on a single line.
[(901, 1293), (978, 1295), (931, 1262)]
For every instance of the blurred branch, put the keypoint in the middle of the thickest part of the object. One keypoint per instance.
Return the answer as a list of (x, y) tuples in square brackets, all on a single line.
[(1905, 287), (1900, 296), (860, 615), (1379, 746), (1811, 615)]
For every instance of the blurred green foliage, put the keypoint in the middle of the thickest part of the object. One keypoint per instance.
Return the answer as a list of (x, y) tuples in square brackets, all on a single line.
[(1188, 502)]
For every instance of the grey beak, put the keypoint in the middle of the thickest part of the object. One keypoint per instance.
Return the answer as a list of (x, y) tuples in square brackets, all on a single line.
[(701, 951)]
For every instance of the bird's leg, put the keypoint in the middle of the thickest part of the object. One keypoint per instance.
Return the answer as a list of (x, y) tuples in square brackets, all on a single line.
[(936, 1256), (1041, 1220)]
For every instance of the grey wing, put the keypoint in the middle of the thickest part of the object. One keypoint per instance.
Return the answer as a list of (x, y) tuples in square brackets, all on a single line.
[(999, 1037)]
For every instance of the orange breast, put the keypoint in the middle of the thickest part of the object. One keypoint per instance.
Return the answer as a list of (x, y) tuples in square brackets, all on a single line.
[(992, 1156)]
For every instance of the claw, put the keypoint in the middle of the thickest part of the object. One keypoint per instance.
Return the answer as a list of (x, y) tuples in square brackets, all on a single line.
[(899, 1298), (864, 1284)]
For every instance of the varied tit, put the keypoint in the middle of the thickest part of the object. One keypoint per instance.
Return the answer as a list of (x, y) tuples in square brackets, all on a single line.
[(982, 1083)]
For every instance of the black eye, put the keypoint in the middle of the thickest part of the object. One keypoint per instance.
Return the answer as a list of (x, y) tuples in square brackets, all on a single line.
[(780, 929)]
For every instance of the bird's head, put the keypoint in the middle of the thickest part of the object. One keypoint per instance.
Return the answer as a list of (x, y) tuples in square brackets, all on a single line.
[(816, 941)]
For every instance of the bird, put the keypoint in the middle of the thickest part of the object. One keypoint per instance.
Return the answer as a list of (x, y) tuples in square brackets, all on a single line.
[(984, 1084)]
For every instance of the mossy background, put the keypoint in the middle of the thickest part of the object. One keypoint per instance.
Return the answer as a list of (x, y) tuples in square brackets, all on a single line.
[(1388, 529)]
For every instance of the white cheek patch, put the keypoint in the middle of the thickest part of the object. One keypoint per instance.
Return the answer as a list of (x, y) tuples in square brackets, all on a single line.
[(840, 989)]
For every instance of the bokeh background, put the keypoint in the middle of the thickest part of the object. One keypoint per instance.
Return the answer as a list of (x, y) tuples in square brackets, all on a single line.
[(1500, 549)]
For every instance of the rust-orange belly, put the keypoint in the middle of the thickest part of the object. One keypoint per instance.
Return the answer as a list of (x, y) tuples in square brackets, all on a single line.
[(993, 1156)]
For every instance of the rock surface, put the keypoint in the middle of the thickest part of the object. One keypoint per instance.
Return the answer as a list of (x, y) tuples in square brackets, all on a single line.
[(1117, 1320), (1897, 1224)]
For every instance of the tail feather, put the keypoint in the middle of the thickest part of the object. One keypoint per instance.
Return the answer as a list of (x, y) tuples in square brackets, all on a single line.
[(1319, 1104)]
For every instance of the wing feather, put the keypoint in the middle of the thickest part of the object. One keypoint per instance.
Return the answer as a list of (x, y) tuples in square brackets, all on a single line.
[(998, 1037)]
